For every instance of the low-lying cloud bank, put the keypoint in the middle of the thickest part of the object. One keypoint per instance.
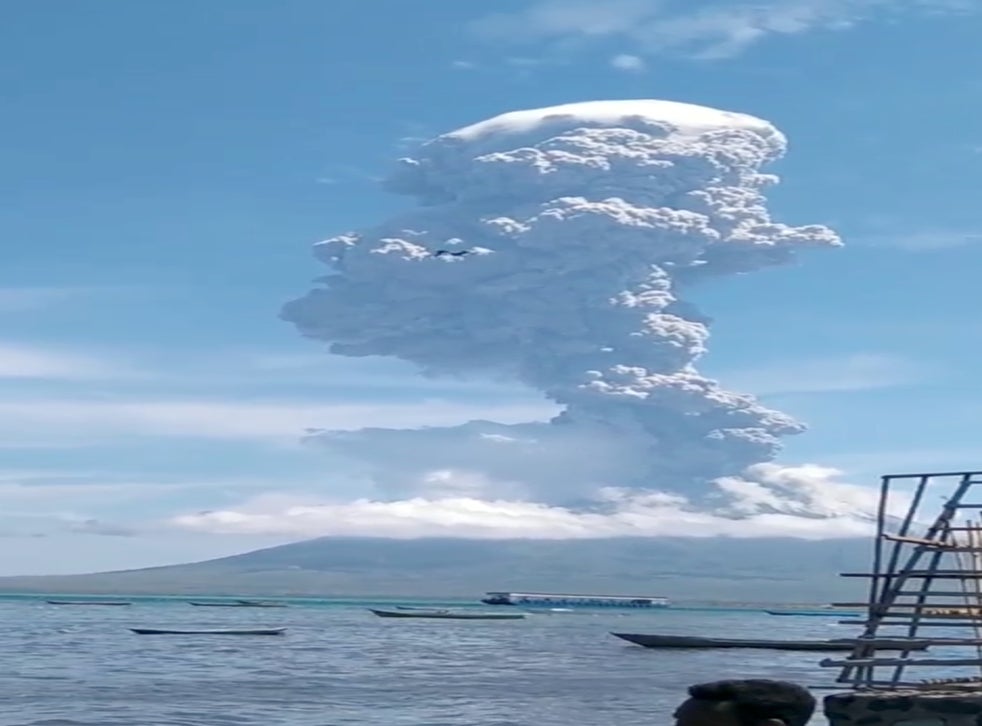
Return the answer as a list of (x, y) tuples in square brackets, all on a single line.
[(807, 502)]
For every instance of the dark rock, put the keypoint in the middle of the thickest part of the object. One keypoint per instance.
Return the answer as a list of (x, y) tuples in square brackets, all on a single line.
[(840, 700), (953, 704), (868, 720), (893, 703)]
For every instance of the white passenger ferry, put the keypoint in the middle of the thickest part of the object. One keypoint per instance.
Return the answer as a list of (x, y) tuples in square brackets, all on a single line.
[(560, 600)]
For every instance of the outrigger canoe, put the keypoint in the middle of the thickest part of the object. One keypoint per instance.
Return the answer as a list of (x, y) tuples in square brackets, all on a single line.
[(238, 604), (159, 631), (446, 615), (427, 610), (816, 613), (687, 641)]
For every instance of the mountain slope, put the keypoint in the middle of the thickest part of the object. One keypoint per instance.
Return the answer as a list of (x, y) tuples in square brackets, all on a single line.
[(700, 568)]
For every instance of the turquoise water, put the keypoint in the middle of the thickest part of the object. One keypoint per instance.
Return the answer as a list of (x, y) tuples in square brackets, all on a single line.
[(340, 665)]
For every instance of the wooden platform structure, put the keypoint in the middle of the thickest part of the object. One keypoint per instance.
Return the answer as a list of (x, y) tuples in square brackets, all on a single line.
[(925, 586)]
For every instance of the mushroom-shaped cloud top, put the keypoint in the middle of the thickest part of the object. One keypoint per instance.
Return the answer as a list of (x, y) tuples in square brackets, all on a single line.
[(578, 144), (677, 119)]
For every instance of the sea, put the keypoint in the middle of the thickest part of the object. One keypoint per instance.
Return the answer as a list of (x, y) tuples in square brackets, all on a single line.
[(340, 665)]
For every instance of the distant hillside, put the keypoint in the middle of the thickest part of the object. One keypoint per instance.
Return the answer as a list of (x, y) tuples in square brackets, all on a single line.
[(786, 570)]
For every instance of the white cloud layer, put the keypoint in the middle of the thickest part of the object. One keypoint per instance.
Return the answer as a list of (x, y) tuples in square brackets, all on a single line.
[(772, 501)]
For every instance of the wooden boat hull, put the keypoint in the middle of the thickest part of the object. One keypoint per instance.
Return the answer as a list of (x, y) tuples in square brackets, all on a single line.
[(816, 613), (425, 610), (100, 603), (686, 641), (236, 605), (159, 631), (446, 615)]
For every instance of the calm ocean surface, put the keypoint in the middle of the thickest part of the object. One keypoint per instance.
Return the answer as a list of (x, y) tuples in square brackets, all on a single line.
[(340, 665)]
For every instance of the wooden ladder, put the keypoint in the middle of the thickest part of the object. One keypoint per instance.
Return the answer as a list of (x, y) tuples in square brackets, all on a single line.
[(912, 584)]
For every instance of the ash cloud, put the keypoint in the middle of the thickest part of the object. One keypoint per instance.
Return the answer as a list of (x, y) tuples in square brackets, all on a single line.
[(585, 229)]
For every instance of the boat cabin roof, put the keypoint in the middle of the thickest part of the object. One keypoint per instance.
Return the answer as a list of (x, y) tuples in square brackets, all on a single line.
[(576, 596)]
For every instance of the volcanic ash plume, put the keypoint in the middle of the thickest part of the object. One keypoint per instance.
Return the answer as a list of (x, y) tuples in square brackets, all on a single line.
[(552, 247)]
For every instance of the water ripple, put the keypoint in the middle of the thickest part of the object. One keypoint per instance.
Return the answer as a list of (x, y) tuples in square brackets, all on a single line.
[(341, 666)]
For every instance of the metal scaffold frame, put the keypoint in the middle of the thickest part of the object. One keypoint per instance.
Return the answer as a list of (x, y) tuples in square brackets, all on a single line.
[(926, 576)]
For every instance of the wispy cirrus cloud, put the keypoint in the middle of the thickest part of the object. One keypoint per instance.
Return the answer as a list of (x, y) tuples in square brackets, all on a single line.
[(627, 62), (43, 502), (707, 30), (14, 524), (21, 299), (23, 361), (79, 396), (98, 420), (856, 372), (40, 502), (38, 489), (221, 368), (923, 240)]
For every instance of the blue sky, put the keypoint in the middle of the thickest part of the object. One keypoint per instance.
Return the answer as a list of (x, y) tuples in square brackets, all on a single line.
[(167, 167)]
